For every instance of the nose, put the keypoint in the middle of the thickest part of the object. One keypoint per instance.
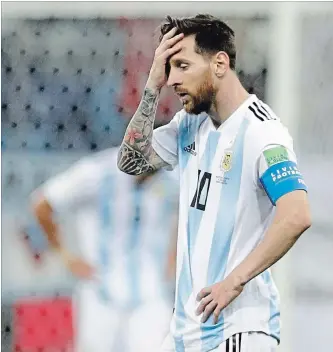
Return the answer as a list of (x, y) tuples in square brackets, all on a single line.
[(174, 79)]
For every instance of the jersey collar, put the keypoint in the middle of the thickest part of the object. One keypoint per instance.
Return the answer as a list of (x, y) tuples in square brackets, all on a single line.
[(237, 115)]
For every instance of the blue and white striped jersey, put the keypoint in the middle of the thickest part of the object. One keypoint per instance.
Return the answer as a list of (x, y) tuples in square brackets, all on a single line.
[(225, 210), (124, 229)]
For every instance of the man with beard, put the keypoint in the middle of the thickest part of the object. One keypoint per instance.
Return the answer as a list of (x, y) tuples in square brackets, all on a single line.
[(243, 202)]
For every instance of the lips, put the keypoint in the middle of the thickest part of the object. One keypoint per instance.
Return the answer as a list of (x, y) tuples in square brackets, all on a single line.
[(182, 94)]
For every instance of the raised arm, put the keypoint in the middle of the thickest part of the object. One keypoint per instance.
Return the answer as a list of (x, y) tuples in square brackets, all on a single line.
[(136, 154)]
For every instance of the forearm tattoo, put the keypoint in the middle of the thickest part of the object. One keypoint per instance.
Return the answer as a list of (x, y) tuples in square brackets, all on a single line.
[(133, 162), (136, 155)]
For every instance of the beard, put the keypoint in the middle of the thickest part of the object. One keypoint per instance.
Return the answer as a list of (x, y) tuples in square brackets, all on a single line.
[(202, 100)]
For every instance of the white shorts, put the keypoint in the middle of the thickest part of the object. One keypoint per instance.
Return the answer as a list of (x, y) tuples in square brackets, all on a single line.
[(101, 327), (243, 342)]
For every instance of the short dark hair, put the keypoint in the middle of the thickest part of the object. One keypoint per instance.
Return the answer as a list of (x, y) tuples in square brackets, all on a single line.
[(211, 34)]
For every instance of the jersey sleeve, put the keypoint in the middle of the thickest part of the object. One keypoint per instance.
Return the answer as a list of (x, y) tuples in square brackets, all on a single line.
[(276, 168), (165, 142), (69, 188)]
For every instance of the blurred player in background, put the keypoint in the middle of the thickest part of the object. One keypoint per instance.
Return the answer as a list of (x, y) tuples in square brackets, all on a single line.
[(243, 202), (126, 229)]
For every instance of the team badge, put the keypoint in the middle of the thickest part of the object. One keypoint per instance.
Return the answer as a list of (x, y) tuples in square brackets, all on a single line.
[(226, 161)]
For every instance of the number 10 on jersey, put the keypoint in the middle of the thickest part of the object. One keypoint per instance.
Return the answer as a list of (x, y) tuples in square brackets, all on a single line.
[(201, 194)]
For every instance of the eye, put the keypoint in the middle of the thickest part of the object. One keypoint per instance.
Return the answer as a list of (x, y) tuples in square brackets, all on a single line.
[(183, 66)]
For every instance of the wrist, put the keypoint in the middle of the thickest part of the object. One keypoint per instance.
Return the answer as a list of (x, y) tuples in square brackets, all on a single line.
[(237, 280), (153, 87)]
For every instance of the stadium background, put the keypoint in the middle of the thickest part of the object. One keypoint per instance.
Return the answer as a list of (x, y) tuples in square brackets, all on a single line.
[(72, 76)]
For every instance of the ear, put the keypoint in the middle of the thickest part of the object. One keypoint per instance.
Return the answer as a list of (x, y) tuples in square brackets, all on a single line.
[(221, 63)]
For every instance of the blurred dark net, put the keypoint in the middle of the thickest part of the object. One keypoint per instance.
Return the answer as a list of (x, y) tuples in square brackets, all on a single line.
[(70, 87), (74, 84)]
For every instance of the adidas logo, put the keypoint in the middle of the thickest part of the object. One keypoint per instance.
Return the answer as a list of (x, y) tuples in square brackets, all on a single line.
[(191, 149)]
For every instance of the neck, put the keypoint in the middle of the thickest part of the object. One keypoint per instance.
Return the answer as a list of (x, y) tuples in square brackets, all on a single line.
[(228, 99)]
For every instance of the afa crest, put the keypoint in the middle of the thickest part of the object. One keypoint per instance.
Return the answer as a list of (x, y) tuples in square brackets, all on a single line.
[(226, 161)]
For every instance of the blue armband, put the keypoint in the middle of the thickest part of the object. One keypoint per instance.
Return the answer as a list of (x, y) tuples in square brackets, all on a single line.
[(282, 178)]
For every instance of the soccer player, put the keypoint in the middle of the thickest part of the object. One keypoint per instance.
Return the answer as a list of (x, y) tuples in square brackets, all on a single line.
[(243, 201), (126, 236)]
